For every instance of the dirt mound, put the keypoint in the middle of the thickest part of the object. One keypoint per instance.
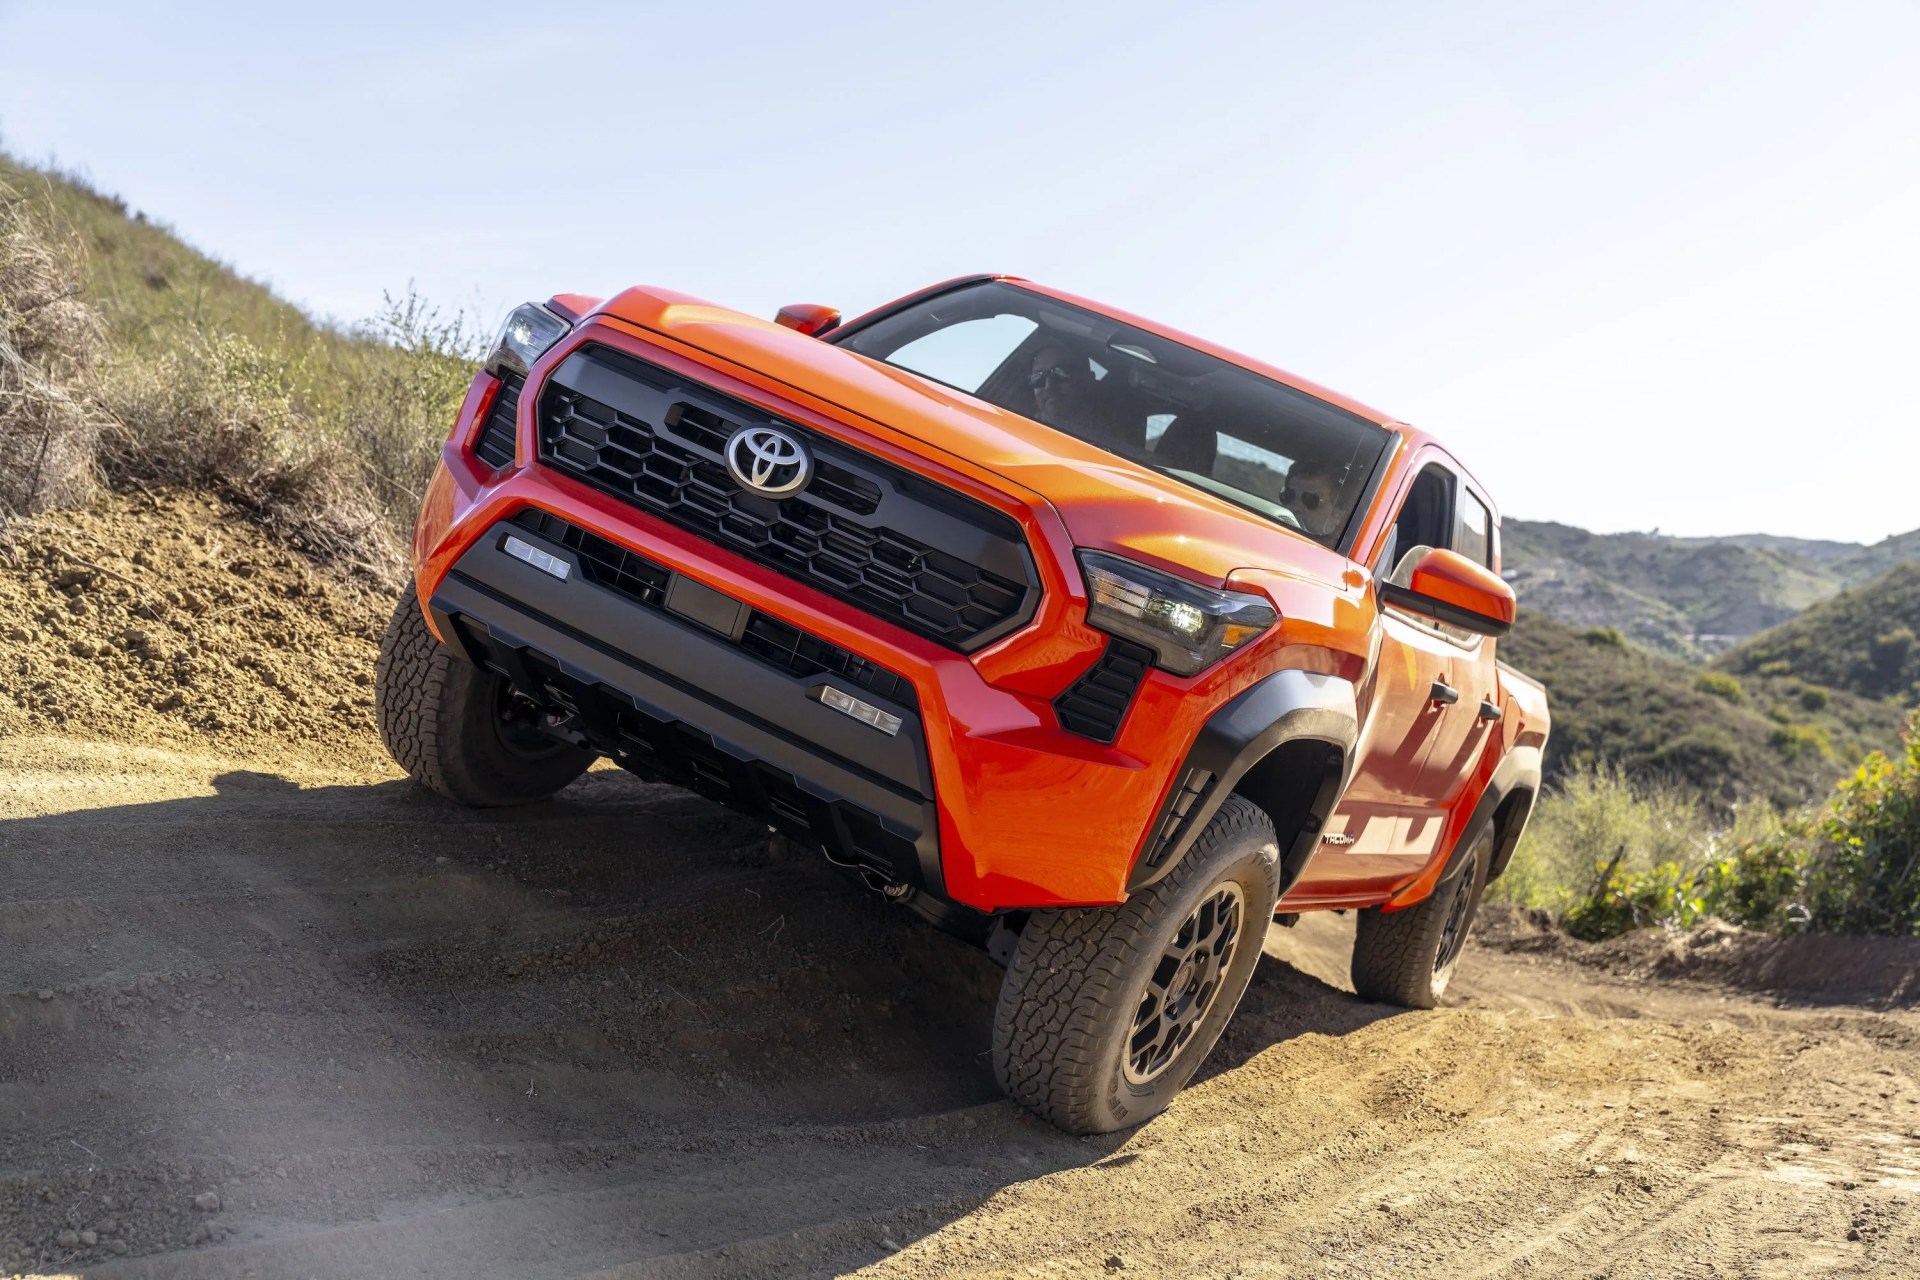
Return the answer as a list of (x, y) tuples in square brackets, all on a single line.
[(1821, 968), (174, 620)]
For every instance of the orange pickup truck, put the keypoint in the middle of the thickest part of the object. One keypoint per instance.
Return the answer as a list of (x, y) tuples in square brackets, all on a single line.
[(1086, 639)]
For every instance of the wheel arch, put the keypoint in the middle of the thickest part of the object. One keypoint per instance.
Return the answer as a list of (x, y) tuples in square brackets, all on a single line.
[(1286, 745)]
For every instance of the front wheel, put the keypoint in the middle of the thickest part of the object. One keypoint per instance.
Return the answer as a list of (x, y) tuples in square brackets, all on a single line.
[(1106, 1012), (1407, 957), (458, 730)]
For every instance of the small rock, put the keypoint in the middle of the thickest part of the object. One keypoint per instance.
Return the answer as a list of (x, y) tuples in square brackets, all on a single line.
[(44, 994), (116, 1246), (84, 649), (77, 605), (207, 1202), (1600, 1171), (89, 1238), (68, 1239), (197, 1235), (1115, 1262), (106, 1226)]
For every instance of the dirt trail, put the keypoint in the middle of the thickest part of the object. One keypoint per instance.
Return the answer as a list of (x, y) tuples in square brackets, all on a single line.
[(266, 1011)]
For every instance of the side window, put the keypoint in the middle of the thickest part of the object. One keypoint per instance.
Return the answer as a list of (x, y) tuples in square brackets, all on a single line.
[(1425, 521), (963, 355), (1472, 529)]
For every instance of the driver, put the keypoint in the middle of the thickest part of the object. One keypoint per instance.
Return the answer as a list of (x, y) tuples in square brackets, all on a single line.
[(1312, 493), (1066, 396)]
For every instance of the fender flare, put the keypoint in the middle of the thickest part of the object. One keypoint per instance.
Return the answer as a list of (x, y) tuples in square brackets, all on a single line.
[(1520, 772), (1285, 707)]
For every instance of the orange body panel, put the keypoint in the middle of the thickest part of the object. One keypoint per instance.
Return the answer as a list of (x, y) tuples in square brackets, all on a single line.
[(1030, 815)]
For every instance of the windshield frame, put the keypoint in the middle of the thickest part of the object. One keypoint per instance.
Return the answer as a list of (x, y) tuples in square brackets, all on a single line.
[(1365, 494)]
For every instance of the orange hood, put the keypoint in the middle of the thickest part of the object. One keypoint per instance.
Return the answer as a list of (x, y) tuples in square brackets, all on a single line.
[(1105, 502)]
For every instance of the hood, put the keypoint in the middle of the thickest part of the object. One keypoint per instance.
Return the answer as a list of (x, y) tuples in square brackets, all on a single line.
[(1105, 501)]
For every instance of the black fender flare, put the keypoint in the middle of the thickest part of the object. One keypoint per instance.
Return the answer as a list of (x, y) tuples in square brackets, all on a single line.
[(1285, 707), (1518, 774)]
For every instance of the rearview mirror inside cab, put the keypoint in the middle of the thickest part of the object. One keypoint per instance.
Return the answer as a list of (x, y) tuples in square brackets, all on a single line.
[(1449, 588), (809, 318)]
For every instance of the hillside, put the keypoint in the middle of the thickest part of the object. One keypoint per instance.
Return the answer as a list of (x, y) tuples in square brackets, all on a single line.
[(1861, 641), (1614, 703), (1685, 598), (150, 287)]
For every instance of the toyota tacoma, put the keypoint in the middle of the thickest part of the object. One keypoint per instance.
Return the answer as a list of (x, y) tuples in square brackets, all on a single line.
[(1089, 640)]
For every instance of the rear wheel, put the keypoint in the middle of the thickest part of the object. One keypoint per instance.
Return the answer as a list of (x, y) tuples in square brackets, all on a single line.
[(1407, 957), (461, 731), (1106, 1012)]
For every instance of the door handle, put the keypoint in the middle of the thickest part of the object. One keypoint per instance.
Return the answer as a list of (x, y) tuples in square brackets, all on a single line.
[(1443, 694), (1488, 711)]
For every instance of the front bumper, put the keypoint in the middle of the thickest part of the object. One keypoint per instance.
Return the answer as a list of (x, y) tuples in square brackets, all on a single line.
[(982, 797), (672, 698)]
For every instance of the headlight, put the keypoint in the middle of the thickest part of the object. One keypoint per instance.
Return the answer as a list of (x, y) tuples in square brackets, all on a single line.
[(1189, 627), (524, 338)]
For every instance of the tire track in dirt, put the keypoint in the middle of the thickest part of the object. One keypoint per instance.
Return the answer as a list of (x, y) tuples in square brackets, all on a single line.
[(623, 1034)]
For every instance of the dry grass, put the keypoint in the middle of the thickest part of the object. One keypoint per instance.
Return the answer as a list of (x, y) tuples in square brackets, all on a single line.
[(325, 435), (50, 341)]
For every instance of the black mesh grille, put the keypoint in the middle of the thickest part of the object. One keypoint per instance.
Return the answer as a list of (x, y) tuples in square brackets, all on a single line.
[(778, 643), (661, 448), (495, 443), (1094, 705), (1194, 785)]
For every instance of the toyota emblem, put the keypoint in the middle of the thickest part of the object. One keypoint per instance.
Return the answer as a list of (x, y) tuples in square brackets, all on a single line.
[(768, 461)]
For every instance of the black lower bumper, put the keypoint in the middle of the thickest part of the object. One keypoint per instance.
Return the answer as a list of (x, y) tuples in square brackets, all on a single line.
[(666, 695)]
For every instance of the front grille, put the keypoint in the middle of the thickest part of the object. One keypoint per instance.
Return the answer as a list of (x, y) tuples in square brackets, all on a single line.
[(1194, 785), (865, 532), (1094, 705), (778, 643), (494, 445)]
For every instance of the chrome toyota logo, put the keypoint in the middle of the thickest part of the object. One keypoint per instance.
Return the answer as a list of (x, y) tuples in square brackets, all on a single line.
[(768, 461)]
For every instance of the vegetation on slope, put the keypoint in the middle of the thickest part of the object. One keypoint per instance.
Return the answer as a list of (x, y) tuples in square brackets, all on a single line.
[(1865, 641), (1616, 706), (205, 380), (1605, 856)]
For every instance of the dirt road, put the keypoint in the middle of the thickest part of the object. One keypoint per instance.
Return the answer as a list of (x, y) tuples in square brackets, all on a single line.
[(272, 1018)]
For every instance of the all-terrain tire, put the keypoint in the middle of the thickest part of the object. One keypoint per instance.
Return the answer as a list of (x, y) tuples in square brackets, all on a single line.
[(1066, 1031), (449, 725), (1408, 957)]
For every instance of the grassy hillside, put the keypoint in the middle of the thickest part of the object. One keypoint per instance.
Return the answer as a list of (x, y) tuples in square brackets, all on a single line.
[(149, 287), (1862, 641), (166, 368), (1617, 705)]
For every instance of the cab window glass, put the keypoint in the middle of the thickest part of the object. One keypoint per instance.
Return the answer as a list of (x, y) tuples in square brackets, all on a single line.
[(962, 355), (1472, 532), (1425, 521)]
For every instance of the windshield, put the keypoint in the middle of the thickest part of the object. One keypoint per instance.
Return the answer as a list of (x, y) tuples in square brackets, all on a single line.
[(1268, 447)]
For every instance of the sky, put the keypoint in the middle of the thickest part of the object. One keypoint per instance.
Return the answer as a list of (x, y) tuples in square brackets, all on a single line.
[(1641, 266)]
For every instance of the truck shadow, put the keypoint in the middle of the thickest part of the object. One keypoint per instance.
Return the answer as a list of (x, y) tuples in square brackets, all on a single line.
[(393, 1036)]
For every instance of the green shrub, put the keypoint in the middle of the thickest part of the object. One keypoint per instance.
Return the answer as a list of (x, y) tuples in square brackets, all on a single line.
[(1778, 667), (1597, 825), (1720, 685), (1814, 698), (1605, 637), (1852, 866), (1802, 742)]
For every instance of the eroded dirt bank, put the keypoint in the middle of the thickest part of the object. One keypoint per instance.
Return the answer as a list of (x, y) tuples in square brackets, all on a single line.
[(266, 1011)]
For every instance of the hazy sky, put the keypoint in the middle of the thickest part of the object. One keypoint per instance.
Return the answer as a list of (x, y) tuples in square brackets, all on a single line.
[(1643, 265)]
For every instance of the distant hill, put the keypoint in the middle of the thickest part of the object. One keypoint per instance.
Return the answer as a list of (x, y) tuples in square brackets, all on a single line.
[(1733, 737), (1685, 598), (1862, 641)]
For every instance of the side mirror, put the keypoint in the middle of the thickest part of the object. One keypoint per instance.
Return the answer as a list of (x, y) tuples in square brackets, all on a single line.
[(809, 318), (1449, 588)]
